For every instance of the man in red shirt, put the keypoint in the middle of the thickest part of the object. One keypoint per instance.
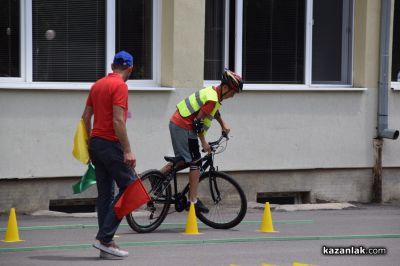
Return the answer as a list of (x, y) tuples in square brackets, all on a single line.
[(109, 147)]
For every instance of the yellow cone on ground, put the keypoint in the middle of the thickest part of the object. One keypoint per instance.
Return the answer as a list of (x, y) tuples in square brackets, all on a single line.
[(302, 264), (191, 224), (265, 264), (266, 223), (12, 234)]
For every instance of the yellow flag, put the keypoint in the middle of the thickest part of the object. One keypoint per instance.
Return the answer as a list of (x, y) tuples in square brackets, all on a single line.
[(80, 150)]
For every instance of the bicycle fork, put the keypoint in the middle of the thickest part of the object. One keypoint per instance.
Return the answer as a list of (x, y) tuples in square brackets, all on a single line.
[(215, 193)]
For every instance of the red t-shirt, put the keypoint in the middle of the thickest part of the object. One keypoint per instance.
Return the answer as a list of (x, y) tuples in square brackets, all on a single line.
[(106, 92), (187, 122)]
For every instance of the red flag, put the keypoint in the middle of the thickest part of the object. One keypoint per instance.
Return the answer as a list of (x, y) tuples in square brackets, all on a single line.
[(134, 196)]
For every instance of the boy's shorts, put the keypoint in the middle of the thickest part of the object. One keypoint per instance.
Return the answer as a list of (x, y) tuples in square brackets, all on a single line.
[(185, 143)]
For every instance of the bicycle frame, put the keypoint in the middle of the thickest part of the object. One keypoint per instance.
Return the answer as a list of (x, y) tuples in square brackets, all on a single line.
[(208, 163)]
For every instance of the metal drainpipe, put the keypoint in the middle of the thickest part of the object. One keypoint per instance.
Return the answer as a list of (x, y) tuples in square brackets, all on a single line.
[(383, 130)]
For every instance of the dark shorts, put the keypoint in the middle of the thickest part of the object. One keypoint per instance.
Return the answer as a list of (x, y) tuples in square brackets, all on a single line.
[(185, 143)]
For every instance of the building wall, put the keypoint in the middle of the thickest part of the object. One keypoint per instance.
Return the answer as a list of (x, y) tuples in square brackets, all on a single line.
[(317, 140)]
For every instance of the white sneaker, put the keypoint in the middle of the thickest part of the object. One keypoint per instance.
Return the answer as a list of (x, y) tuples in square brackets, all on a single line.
[(107, 256), (112, 249)]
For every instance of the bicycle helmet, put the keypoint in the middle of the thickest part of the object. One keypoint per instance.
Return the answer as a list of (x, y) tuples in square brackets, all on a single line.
[(233, 80)]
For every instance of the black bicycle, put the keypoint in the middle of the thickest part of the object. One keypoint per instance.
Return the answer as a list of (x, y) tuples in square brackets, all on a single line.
[(219, 192)]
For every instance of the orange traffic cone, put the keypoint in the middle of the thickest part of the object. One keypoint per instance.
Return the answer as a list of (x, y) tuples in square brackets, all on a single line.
[(266, 224), (191, 224), (12, 234)]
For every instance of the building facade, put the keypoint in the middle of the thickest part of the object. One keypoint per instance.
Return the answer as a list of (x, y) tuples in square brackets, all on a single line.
[(304, 126)]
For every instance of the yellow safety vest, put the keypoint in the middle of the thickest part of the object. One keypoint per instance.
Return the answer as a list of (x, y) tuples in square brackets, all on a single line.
[(194, 102)]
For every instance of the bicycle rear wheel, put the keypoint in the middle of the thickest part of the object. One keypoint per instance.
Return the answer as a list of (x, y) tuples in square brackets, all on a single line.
[(224, 198), (150, 216)]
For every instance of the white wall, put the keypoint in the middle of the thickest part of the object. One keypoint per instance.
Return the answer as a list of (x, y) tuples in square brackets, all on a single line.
[(270, 130)]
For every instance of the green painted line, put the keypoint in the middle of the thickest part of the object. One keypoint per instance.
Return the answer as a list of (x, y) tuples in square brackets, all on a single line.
[(205, 241), (164, 225), (53, 227), (281, 222)]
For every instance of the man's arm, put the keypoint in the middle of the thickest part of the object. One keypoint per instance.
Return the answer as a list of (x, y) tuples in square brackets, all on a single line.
[(120, 131), (87, 118)]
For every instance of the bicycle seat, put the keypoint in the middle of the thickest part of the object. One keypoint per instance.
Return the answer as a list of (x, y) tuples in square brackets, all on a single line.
[(174, 160)]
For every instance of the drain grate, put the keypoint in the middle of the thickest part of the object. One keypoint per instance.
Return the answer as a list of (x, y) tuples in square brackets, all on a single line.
[(286, 197), (73, 205)]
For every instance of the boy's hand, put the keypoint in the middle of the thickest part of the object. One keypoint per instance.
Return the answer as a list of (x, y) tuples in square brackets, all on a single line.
[(206, 147), (226, 130)]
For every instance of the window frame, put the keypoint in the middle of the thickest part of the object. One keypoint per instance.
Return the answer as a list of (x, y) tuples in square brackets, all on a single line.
[(308, 85), (226, 44), (22, 60), (25, 81), (395, 85)]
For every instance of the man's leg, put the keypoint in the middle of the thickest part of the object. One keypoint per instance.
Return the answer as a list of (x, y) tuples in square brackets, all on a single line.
[(104, 182), (105, 188), (123, 176), (101, 153)]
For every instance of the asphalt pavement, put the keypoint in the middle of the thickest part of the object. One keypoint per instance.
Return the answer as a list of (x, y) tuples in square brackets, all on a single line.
[(303, 236)]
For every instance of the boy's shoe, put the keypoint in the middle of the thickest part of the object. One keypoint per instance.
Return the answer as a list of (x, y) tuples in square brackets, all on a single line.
[(199, 207), (111, 248), (107, 256)]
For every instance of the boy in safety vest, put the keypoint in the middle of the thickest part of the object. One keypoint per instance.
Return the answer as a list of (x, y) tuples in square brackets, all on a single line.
[(191, 121)]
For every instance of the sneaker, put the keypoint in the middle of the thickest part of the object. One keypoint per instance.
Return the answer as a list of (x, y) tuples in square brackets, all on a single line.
[(199, 207), (111, 248), (107, 256)]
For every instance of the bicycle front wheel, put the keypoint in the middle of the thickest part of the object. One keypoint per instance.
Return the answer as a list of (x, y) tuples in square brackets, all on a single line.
[(224, 198), (150, 216)]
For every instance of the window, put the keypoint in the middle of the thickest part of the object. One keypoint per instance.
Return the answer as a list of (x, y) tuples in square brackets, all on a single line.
[(273, 41), (134, 34), (396, 42), (291, 42), (66, 44), (9, 38), (214, 47), (68, 40), (331, 45)]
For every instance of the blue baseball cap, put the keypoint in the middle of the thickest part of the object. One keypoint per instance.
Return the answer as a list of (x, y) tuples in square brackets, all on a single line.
[(123, 58)]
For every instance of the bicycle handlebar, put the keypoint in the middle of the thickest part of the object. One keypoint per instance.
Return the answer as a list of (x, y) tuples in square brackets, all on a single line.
[(223, 135), (217, 142)]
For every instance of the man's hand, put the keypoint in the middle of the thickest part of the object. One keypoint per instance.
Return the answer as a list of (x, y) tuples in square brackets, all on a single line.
[(130, 159)]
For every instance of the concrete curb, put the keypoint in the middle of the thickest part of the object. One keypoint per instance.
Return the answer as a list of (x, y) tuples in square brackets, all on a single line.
[(303, 207), (63, 214)]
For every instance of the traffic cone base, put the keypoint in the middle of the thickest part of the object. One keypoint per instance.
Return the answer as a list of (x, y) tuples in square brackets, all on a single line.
[(191, 224), (12, 234), (266, 224)]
